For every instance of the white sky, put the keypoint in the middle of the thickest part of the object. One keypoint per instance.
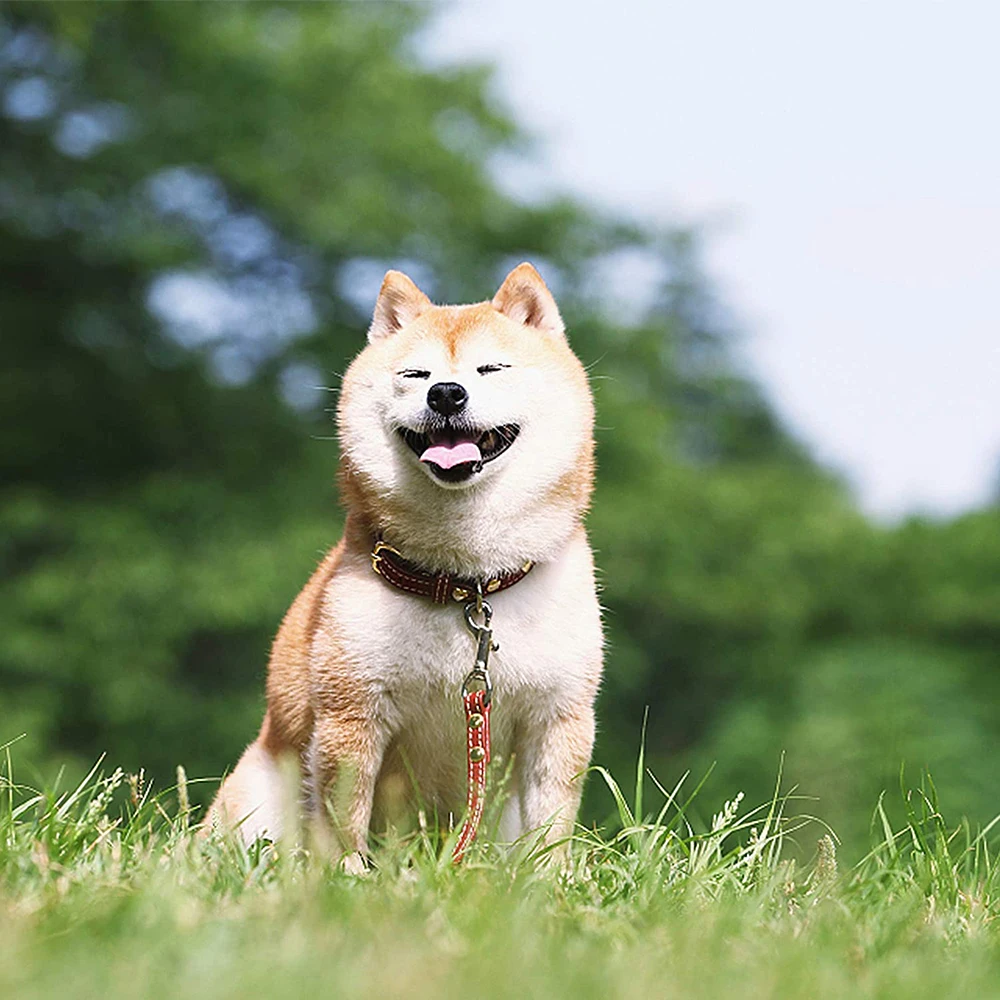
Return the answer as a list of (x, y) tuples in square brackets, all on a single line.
[(846, 157)]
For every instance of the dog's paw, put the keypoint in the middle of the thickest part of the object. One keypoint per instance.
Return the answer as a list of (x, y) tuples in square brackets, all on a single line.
[(354, 864)]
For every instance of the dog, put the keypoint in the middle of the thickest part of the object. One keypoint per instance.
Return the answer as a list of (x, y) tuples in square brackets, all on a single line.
[(467, 463)]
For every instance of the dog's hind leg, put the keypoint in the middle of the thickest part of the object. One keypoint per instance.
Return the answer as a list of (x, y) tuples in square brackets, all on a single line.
[(254, 799)]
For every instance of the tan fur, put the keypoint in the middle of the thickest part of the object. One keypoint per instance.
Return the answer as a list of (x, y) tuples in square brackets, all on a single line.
[(363, 680)]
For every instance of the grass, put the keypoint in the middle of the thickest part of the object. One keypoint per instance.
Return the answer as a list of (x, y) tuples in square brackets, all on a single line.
[(105, 891)]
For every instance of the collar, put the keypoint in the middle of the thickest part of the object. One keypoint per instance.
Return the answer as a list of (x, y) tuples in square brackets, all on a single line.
[(439, 587)]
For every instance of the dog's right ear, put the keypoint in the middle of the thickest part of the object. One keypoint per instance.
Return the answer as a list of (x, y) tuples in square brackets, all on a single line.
[(525, 298), (399, 303)]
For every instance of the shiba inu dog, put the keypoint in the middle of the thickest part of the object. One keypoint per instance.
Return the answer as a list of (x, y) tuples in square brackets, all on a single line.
[(467, 460)]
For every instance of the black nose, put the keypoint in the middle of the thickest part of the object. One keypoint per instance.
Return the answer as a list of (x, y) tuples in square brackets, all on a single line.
[(447, 398)]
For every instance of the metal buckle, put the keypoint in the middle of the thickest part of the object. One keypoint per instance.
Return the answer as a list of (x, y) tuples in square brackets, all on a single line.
[(377, 556)]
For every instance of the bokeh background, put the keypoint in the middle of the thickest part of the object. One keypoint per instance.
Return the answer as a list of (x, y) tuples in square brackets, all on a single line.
[(197, 203)]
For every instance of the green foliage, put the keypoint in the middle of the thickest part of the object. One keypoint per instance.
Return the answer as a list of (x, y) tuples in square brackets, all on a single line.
[(857, 714), (166, 470)]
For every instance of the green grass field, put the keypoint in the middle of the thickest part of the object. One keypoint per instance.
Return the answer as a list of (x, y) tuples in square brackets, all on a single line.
[(105, 891)]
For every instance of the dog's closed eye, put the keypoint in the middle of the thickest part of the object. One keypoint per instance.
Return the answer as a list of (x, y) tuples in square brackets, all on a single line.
[(490, 369), (414, 373)]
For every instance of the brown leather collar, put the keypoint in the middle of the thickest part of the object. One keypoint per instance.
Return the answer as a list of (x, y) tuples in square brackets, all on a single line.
[(439, 587)]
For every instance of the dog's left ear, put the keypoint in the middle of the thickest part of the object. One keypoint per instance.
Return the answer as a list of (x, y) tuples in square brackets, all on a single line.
[(399, 303), (525, 298)]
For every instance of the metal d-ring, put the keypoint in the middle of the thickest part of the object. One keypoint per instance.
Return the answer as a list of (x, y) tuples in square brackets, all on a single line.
[(478, 606)]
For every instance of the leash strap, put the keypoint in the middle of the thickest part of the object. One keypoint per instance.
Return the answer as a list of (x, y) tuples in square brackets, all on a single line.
[(477, 728)]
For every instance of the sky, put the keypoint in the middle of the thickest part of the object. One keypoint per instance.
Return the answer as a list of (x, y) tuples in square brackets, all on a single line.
[(843, 162)]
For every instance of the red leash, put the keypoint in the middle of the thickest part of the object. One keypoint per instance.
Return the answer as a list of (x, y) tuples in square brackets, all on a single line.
[(477, 696)]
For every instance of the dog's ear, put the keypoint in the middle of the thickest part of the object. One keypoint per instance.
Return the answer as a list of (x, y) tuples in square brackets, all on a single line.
[(399, 303), (525, 298)]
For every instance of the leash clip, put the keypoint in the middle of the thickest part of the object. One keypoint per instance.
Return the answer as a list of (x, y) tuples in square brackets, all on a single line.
[(478, 679)]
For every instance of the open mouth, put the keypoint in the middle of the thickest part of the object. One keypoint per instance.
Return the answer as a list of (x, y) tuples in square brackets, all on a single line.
[(454, 454)]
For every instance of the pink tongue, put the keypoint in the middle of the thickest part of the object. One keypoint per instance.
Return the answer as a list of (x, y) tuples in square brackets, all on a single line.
[(445, 456)]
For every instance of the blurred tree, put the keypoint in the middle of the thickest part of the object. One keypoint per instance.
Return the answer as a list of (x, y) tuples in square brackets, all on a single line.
[(197, 203)]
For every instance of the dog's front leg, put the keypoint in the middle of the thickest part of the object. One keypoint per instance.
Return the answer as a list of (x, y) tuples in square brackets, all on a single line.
[(342, 766), (552, 754)]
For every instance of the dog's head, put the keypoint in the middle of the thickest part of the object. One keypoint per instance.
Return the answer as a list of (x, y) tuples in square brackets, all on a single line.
[(467, 412)]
